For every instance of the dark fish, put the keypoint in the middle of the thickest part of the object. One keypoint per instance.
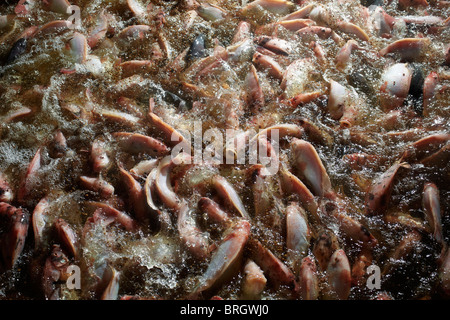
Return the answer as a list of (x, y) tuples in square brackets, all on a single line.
[(176, 100), (19, 47), (416, 87), (197, 49), (368, 3)]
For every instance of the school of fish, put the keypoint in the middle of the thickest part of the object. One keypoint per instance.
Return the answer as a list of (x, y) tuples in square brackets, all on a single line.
[(97, 94)]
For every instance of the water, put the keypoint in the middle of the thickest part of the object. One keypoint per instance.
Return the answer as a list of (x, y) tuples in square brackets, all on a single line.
[(157, 265)]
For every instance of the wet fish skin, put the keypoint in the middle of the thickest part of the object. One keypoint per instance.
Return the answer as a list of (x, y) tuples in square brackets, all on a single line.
[(98, 156), (67, 237), (350, 226), (298, 233), (396, 82), (12, 241), (137, 198), (196, 242), (377, 197), (278, 46), (254, 281), (163, 184), (19, 48), (225, 258), (277, 273), (429, 89), (54, 270), (421, 148), (255, 96), (230, 195), (214, 212), (38, 220), (99, 185), (109, 284), (268, 63), (431, 205), (291, 184), (326, 244), (31, 173), (307, 164), (339, 274), (308, 279), (197, 49)]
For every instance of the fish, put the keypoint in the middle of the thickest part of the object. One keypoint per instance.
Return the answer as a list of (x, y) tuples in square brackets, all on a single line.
[(13, 239), (225, 258), (254, 281), (377, 197), (266, 149), (339, 274)]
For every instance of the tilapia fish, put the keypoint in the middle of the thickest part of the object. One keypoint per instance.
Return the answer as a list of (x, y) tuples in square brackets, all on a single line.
[(212, 149)]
